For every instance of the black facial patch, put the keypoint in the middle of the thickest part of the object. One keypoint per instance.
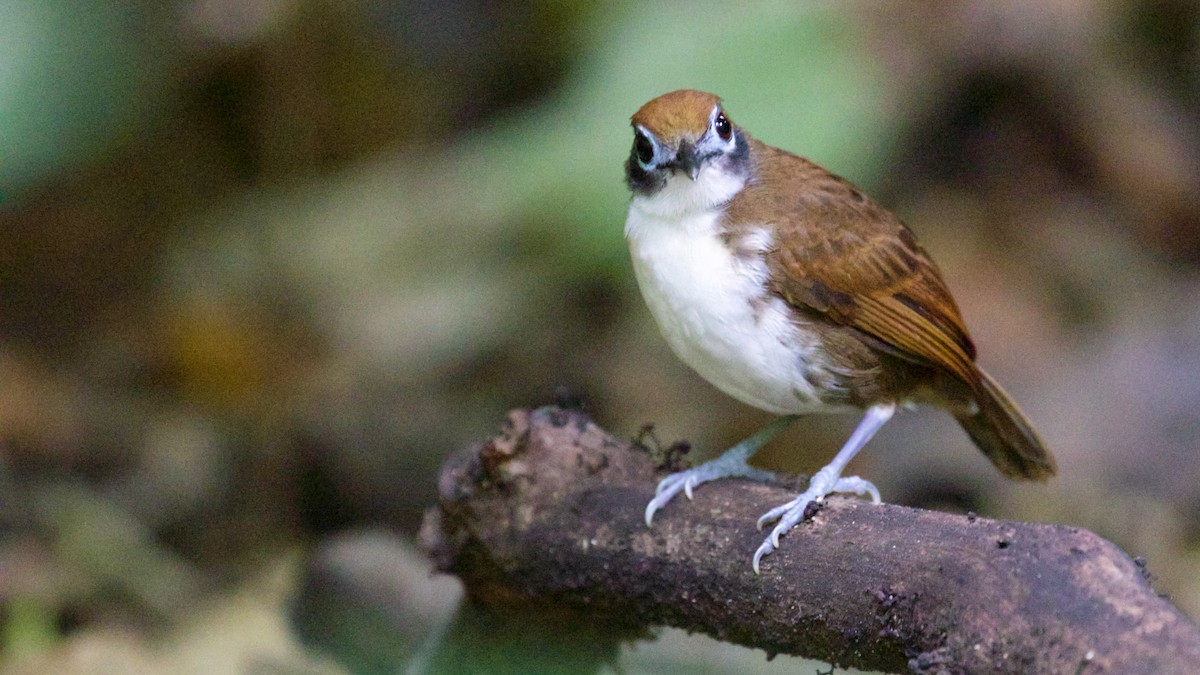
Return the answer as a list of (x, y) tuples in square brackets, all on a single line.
[(640, 180), (647, 182)]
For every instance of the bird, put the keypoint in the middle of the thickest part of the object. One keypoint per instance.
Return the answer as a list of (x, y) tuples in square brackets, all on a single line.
[(787, 288)]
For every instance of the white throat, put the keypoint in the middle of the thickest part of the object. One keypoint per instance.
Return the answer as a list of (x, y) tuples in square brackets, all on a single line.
[(682, 197)]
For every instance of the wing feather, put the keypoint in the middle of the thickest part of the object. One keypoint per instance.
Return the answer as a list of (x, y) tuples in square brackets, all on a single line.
[(838, 253)]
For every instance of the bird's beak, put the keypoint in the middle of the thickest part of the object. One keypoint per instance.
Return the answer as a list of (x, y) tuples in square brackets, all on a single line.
[(687, 160)]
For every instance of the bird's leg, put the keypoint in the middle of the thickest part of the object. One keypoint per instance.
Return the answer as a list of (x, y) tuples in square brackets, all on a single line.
[(731, 463), (828, 479)]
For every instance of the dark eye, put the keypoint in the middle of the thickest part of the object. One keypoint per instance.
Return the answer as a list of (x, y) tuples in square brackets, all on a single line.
[(644, 149), (724, 129)]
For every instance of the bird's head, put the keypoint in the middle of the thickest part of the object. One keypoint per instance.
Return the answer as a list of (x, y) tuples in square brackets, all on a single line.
[(685, 139)]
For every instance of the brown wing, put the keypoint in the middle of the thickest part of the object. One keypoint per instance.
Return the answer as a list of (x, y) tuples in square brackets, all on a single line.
[(840, 254)]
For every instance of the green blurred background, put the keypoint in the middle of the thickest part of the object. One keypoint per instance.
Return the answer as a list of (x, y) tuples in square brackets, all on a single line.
[(264, 264)]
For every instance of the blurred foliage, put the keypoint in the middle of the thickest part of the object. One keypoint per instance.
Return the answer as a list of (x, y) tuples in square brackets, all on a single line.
[(262, 265), (77, 77), (31, 626)]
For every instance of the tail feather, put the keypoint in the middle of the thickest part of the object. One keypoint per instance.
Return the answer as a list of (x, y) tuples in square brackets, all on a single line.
[(1003, 433)]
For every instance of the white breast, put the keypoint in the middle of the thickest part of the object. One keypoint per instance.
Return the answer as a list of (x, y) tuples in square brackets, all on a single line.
[(711, 307)]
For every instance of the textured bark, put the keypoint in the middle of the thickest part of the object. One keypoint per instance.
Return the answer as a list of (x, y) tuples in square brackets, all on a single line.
[(546, 520)]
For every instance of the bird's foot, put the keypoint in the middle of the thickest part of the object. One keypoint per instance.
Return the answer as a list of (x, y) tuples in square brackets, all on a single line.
[(721, 467), (824, 482)]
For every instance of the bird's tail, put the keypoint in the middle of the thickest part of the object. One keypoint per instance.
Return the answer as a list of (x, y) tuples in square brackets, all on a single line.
[(1003, 433)]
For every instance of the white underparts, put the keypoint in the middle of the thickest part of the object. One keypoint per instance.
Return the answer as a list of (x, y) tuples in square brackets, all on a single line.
[(710, 302)]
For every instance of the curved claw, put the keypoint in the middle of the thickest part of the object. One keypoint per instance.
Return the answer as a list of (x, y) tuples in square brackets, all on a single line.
[(788, 514), (793, 512), (687, 481), (667, 489), (780, 528), (858, 486), (768, 517), (763, 550), (663, 485), (650, 509), (778, 512), (731, 463)]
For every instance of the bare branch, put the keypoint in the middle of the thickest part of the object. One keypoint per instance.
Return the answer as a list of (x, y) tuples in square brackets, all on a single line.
[(547, 517)]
